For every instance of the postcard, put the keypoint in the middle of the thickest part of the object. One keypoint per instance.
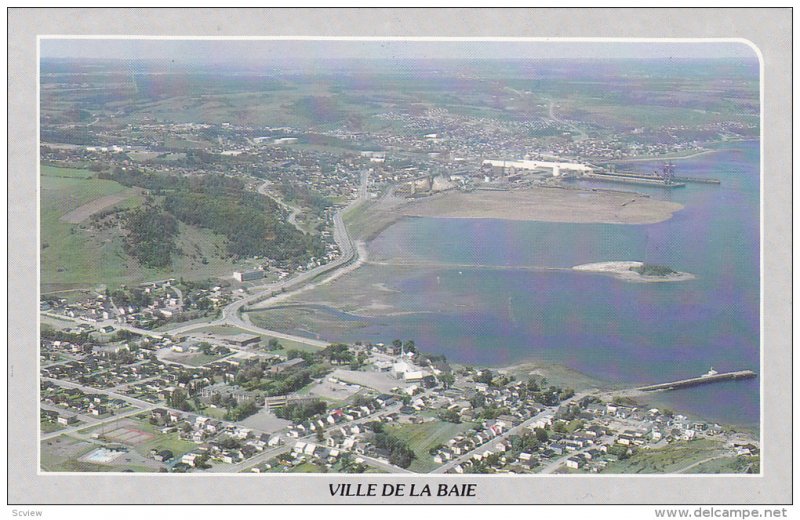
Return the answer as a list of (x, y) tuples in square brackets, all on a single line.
[(401, 269)]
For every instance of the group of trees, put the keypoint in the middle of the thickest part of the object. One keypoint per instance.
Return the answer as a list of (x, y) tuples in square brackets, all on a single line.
[(252, 224), (151, 235), (63, 336), (301, 411), (242, 410), (178, 399), (399, 452), (339, 353), (305, 196), (653, 270), (450, 416)]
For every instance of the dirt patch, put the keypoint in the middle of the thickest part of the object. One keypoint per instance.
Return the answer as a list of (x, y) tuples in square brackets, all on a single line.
[(545, 204), (548, 205), (78, 215)]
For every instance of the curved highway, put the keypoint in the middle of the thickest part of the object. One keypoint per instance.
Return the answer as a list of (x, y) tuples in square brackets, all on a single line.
[(349, 254)]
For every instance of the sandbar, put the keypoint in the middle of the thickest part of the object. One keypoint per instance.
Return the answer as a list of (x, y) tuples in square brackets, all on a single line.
[(622, 270), (547, 205)]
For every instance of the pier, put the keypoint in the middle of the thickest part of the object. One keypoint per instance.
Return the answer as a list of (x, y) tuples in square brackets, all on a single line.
[(698, 180), (645, 180), (711, 377)]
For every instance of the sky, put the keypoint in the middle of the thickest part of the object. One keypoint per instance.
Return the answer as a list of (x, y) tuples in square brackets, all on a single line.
[(281, 51)]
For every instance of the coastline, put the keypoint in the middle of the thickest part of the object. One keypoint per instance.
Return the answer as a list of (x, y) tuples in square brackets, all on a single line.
[(535, 204)]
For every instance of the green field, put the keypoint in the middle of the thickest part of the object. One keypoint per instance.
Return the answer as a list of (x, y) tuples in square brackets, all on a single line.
[(726, 465), (49, 427), (422, 437), (68, 173), (670, 459), (166, 441), (75, 255), (69, 255)]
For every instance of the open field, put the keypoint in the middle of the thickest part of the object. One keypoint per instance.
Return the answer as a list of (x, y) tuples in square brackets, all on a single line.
[(68, 254), (67, 173), (325, 389), (75, 255), (670, 459), (194, 359), (78, 215), (726, 465), (380, 381), (265, 421), (557, 375), (422, 437), (49, 427)]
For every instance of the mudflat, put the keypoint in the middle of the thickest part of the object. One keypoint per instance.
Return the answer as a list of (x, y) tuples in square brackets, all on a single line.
[(548, 205)]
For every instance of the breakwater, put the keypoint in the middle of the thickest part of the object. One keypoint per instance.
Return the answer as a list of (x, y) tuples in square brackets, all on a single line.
[(702, 380)]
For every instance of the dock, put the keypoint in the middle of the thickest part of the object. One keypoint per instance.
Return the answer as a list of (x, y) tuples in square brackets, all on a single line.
[(702, 380), (644, 180), (698, 180)]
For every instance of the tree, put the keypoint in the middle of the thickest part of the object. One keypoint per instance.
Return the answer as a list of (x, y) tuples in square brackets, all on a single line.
[(450, 416), (541, 434), (447, 379), (202, 461), (410, 346), (484, 376)]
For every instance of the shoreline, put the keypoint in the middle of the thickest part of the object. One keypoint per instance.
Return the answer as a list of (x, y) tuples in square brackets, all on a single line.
[(715, 147), (534, 204)]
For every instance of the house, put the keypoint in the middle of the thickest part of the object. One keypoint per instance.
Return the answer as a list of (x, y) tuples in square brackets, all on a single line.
[(67, 420), (189, 458), (575, 462)]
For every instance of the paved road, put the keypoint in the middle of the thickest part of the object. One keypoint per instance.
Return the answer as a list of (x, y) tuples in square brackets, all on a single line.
[(582, 134), (267, 294), (293, 210), (384, 465)]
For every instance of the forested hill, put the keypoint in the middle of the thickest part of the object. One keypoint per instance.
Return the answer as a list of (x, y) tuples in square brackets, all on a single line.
[(252, 224), (247, 220)]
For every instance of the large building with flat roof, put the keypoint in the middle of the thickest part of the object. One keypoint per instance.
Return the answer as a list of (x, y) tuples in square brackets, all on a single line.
[(246, 276)]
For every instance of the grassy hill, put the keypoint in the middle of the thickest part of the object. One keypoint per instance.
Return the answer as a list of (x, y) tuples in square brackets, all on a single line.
[(81, 255)]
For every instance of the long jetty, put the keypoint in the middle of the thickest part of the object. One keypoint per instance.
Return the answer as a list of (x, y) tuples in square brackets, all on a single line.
[(702, 380), (646, 180)]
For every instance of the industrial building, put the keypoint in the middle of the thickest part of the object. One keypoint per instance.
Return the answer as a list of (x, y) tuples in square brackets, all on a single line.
[(556, 167), (246, 276)]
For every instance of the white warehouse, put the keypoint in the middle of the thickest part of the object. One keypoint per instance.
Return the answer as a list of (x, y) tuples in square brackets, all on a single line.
[(539, 165)]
